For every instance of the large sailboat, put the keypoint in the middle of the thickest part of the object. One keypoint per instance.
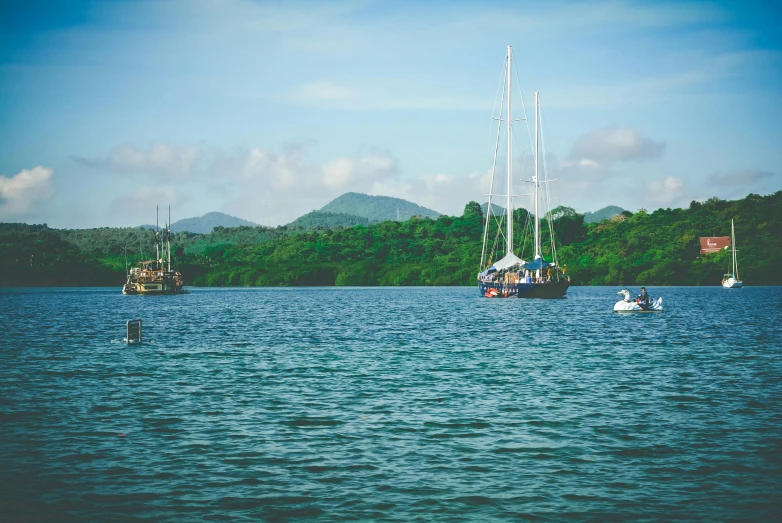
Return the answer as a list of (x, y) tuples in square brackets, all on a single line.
[(511, 276), (732, 281), (156, 276)]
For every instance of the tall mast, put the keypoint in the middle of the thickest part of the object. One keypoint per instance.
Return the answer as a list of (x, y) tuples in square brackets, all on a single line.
[(169, 238), (537, 182), (157, 233), (733, 244), (509, 207)]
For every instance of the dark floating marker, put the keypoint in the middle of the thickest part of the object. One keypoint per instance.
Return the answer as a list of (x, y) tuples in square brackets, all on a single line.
[(134, 331)]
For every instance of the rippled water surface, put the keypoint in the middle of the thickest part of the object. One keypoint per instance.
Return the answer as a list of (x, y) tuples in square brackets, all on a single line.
[(390, 404)]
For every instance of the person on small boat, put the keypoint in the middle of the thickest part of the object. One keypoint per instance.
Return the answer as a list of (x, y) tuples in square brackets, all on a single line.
[(643, 299)]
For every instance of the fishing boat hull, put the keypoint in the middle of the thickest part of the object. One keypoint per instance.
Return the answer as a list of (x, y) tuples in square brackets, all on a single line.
[(151, 283), (159, 289), (550, 290), (152, 288)]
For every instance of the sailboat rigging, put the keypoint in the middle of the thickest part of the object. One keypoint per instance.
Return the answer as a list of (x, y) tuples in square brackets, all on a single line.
[(511, 275)]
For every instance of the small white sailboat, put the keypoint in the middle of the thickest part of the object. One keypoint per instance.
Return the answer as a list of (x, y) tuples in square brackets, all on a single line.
[(732, 281)]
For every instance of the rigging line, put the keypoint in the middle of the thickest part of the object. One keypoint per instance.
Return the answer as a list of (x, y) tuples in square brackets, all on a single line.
[(525, 230), (493, 172), (499, 224), (500, 90), (526, 120), (523, 105), (548, 195), (496, 239), (521, 162)]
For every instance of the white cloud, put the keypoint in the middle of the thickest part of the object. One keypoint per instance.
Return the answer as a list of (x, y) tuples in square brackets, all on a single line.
[(615, 144), (338, 172), (172, 161), (344, 172), (19, 193), (273, 187), (276, 186), (667, 191), (595, 174), (279, 171), (444, 193), (739, 178), (135, 207), (259, 196)]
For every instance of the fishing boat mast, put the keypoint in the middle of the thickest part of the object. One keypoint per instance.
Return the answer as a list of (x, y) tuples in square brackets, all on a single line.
[(157, 233), (169, 238)]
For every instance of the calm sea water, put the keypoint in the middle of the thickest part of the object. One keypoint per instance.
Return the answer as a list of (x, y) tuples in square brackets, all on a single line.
[(392, 404)]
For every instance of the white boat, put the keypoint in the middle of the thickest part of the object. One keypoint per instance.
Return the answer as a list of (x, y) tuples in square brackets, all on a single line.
[(628, 305), (732, 281), (510, 275)]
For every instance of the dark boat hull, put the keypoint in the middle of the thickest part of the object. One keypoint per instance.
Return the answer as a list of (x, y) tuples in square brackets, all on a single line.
[(550, 290)]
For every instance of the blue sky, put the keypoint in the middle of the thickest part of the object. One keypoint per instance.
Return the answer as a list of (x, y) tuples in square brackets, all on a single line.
[(268, 110)]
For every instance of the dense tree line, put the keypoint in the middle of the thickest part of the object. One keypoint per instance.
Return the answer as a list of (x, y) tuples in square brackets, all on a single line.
[(662, 247), (658, 248)]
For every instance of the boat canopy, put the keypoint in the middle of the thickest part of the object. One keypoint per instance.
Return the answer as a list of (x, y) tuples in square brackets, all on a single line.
[(537, 263), (509, 260)]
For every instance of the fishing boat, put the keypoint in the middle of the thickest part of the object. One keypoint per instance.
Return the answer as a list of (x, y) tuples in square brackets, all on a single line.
[(732, 281), (512, 276), (156, 276)]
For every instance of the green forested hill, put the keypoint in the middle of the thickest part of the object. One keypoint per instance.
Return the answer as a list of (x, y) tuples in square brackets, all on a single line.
[(606, 213), (377, 208), (658, 248), (204, 224), (328, 220), (496, 210), (662, 248)]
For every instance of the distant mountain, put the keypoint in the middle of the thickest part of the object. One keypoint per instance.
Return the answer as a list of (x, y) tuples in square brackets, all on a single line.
[(377, 208), (328, 220), (589, 217), (207, 222), (605, 213), (496, 210)]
